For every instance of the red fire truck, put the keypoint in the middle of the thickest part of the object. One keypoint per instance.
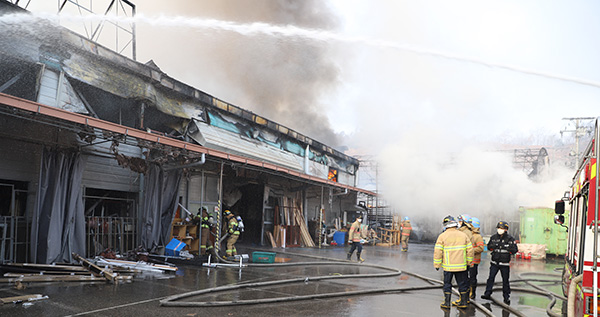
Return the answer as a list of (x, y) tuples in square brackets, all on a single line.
[(580, 275)]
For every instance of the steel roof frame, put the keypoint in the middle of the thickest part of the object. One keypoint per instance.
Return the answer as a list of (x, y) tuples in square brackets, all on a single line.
[(86, 121)]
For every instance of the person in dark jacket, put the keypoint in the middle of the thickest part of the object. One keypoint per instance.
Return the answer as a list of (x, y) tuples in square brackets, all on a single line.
[(503, 246)]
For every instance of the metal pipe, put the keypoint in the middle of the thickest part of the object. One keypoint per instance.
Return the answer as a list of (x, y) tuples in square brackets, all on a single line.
[(595, 267), (219, 220)]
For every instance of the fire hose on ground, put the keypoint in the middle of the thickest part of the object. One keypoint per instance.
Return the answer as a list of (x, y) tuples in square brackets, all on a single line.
[(173, 301)]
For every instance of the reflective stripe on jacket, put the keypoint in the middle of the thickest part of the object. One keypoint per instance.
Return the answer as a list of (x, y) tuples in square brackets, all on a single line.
[(406, 228), (233, 226), (477, 246), (453, 251), (355, 233)]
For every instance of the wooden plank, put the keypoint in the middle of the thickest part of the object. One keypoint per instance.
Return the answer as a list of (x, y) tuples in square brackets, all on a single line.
[(96, 270), (20, 299), (270, 236), (48, 267), (16, 274), (52, 278)]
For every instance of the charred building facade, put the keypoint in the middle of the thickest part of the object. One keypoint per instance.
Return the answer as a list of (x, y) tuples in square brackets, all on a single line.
[(100, 151)]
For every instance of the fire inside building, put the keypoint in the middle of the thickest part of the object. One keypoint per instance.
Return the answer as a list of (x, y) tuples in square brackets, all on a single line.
[(100, 152)]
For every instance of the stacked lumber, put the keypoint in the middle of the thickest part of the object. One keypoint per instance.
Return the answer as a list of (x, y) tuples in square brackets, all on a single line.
[(304, 233), (290, 227), (280, 237)]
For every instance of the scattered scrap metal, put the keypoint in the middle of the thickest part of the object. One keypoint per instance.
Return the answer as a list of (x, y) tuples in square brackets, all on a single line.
[(98, 269)]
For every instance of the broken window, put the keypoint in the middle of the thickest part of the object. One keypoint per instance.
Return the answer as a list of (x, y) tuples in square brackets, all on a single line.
[(333, 175)]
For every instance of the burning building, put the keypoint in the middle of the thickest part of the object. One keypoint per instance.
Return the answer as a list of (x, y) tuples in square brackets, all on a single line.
[(101, 151)]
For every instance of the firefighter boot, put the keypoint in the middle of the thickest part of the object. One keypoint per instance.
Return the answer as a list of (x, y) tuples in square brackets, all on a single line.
[(349, 256), (447, 299), (473, 288), (358, 258), (463, 302)]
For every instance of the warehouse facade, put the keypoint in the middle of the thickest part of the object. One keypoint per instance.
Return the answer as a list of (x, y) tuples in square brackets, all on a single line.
[(102, 152)]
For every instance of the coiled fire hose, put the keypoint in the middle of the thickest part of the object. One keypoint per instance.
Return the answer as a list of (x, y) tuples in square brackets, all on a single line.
[(174, 301)]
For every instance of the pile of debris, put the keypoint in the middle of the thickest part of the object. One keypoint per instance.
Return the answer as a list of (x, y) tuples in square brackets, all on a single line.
[(98, 269)]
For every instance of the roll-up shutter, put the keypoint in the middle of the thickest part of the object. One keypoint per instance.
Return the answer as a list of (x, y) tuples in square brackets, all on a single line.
[(102, 170)]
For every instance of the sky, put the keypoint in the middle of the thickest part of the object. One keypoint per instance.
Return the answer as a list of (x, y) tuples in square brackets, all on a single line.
[(409, 83)]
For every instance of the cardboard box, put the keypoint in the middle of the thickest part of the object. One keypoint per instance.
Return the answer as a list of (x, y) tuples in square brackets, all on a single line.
[(174, 247)]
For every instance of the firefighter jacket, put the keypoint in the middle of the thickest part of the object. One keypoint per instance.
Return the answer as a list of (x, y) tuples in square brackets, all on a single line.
[(204, 220), (232, 226), (406, 228), (355, 234), (464, 229), (502, 247), (477, 246), (453, 251)]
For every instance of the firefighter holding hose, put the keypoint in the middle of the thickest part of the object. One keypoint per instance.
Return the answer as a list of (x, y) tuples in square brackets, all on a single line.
[(234, 226)]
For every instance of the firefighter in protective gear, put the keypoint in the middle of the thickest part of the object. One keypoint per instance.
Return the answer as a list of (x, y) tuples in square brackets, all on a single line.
[(355, 236), (234, 233), (453, 253), (503, 246), (464, 225), (477, 250), (406, 229), (205, 225), (240, 223)]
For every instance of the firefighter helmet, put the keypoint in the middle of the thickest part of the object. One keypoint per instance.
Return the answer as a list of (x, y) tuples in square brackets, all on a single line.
[(475, 222), (464, 218), (228, 214), (502, 224), (449, 222), (406, 218)]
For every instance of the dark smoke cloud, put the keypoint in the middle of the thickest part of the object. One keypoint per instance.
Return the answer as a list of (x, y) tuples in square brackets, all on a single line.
[(281, 79)]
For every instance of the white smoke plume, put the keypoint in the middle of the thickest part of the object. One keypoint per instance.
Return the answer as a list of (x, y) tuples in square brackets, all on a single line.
[(428, 175)]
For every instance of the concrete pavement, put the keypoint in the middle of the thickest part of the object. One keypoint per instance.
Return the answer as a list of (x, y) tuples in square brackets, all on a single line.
[(142, 296)]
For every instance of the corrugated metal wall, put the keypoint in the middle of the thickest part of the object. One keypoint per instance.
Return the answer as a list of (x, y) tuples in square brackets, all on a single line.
[(102, 170)]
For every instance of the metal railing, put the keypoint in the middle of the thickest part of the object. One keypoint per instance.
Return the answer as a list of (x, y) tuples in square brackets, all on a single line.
[(14, 239), (110, 233)]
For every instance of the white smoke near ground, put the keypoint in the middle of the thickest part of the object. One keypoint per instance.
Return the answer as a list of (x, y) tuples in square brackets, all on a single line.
[(428, 180)]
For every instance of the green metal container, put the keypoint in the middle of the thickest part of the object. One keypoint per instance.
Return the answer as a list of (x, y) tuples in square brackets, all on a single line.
[(538, 227)]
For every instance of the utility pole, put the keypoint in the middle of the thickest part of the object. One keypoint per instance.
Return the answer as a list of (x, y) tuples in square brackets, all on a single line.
[(579, 132)]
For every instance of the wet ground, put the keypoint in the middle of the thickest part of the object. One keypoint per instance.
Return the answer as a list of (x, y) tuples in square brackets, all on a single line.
[(142, 296)]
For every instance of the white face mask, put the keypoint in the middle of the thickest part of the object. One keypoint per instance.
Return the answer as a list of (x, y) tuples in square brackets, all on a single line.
[(359, 220), (501, 231)]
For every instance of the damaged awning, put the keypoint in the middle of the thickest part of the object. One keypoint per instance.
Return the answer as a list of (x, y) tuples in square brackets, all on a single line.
[(37, 109)]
